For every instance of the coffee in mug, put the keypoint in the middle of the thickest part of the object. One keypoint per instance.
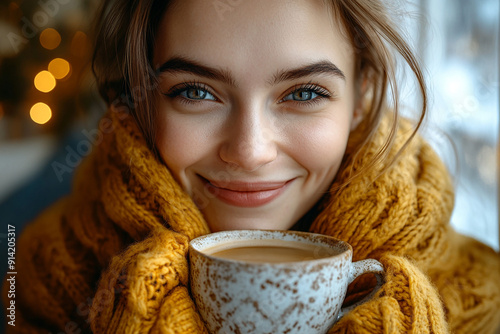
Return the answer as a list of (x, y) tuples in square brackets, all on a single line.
[(270, 251), (260, 281)]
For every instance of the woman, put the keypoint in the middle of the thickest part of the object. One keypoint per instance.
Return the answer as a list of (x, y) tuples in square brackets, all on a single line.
[(251, 114)]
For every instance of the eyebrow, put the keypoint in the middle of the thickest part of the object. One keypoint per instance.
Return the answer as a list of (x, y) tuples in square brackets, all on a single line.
[(181, 64), (324, 67), (185, 65)]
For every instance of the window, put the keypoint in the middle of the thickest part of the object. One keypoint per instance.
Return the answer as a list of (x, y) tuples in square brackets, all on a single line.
[(458, 41)]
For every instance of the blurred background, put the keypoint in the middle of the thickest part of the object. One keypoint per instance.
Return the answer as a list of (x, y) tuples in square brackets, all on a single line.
[(49, 104), (47, 98), (458, 42)]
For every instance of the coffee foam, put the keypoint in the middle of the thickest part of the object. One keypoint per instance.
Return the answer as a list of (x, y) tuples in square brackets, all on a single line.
[(319, 250)]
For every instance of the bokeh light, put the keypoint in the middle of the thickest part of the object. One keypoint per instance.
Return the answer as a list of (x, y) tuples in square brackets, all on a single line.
[(14, 12), (13, 6), (40, 113), (486, 164), (50, 38), (59, 68), (45, 81), (80, 45)]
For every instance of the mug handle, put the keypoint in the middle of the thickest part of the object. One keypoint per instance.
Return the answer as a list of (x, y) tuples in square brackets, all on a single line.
[(358, 268)]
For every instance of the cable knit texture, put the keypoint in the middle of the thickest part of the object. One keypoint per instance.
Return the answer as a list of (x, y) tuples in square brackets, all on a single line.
[(112, 257)]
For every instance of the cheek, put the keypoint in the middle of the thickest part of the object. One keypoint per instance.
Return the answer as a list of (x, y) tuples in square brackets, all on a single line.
[(319, 145), (180, 143)]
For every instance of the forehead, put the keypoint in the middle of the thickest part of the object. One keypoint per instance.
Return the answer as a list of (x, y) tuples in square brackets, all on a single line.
[(240, 33)]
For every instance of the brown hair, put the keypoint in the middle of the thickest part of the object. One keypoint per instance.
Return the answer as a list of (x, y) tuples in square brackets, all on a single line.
[(123, 58), (124, 45), (374, 36)]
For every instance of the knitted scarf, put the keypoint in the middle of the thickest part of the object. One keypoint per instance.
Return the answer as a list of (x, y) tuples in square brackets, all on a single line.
[(111, 258)]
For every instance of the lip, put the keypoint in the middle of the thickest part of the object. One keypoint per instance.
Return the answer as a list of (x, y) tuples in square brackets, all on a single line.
[(246, 194)]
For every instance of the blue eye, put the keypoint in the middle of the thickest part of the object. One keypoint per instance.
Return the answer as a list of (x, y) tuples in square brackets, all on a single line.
[(196, 94), (308, 93), (191, 92), (301, 95)]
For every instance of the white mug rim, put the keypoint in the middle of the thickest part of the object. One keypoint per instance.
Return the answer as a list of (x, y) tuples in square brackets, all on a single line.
[(344, 249)]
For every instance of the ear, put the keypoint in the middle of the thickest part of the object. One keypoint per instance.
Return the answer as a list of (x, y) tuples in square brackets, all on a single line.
[(359, 108), (357, 117)]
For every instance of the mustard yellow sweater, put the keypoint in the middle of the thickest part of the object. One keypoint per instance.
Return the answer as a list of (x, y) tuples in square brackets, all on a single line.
[(111, 258)]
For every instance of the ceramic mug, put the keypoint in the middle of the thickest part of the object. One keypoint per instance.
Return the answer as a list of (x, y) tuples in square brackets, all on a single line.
[(297, 296)]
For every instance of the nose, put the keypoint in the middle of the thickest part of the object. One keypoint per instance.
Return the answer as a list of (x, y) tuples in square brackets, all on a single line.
[(251, 140)]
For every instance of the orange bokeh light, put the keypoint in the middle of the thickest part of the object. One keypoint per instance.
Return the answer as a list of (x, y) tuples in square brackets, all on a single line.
[(59, 68), (45, 81), (80, 45), (50, 38), (40, 113)]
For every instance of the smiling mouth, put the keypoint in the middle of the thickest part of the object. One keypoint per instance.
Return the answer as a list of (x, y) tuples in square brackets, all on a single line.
[(246, 194)]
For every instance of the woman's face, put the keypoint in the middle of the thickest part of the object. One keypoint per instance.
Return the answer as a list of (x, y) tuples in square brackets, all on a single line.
[(257, 106)]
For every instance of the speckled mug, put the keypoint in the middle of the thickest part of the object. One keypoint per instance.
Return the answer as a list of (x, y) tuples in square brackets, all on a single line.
[(291, 297)]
